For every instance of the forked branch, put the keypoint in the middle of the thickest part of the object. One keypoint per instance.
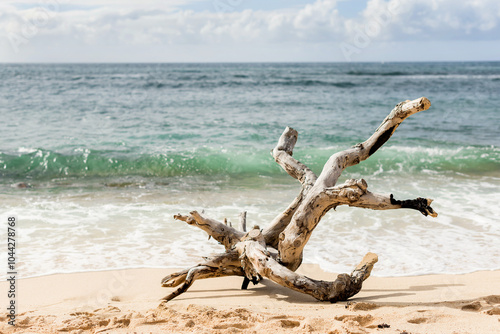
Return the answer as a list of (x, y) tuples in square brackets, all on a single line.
[(355, 193), (224, 234), (225, 264), (276, 252), (314, 206)]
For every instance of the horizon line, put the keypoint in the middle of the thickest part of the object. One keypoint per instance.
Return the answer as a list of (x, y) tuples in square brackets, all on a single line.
[(246, 62)]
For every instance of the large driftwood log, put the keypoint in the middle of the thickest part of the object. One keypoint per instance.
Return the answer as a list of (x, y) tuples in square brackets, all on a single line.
[(276, 252)]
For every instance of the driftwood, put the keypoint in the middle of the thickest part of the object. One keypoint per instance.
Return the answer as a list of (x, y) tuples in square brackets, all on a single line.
[(276, 251)]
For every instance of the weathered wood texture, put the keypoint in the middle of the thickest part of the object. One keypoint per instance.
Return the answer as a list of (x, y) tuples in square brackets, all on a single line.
[(276, 252)]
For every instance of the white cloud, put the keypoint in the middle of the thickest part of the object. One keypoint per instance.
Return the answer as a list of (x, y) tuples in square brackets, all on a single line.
[(120, 30)]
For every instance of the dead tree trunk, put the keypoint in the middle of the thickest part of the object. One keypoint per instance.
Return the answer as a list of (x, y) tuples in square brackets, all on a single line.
[(276, 252)]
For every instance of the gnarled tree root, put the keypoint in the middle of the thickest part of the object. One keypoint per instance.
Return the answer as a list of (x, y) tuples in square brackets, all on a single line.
[(276, 252)]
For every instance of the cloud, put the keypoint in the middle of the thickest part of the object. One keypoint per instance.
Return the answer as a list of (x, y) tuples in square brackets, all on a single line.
[(107, 29), (441, 19)]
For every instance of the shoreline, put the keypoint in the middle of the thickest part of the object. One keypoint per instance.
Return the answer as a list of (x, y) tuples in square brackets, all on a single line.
[(124, 301), (304, 265)]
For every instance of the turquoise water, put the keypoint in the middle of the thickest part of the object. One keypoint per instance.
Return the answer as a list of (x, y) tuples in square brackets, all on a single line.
[(96, 158)]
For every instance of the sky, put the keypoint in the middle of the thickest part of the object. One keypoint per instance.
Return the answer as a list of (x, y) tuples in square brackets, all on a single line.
[(249, 30)]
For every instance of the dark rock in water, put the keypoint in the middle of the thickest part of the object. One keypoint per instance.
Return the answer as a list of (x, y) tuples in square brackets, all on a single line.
[(125, 184), (161, 183)]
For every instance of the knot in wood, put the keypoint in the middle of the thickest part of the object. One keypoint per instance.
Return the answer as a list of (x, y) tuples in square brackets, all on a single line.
[(359, 145), (253, 234), (351, 194), (353, 189), (362, 185)]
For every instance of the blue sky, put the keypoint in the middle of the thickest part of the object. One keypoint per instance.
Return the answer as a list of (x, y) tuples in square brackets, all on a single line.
[(248, 30)]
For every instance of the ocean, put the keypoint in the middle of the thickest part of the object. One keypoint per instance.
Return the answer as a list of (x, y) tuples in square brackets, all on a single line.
[(95, 159)]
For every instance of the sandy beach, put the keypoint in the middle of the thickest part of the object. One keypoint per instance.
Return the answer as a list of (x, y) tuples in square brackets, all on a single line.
[(128, 301)]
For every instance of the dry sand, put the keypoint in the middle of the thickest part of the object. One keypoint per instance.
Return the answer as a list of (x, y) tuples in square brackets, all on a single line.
[(128, 301)]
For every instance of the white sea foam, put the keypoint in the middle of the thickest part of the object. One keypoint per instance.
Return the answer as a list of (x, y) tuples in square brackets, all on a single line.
[(26, 150), (60, 233)]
